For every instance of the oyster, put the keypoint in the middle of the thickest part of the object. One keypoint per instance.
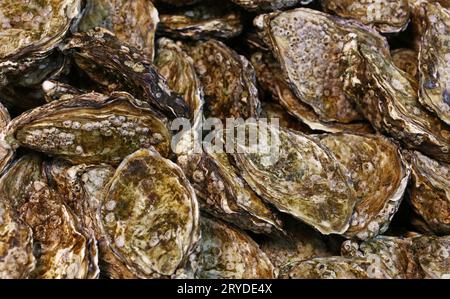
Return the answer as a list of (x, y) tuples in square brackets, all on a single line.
[(407, 61), (208, 19), (379, 177), (272, 110), (149, 214), (115, 66), (6, 153), (396, 255), (55, 91), (133, 22), (267, 70), (179, 2), (227, 253), (387, 16), (434, 61), (433, 255), (91, 128), (300, 243), (224, 194), (334, 268), (16, 244), (303, 179), (429, 191), (308, 44), (61, 251), (178, 69), (388, 98), (269, 5), (31, 31), (228, 80)]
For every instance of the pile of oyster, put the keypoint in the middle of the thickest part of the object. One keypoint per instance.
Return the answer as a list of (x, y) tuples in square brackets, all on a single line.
[(99, 178)]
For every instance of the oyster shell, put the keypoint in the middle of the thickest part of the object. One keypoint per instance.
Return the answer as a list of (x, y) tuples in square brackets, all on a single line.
[(227, 253), (269, 5), (61, 250), (91, 128), (434, 61), (179, 2), (334, 268), (303, 179), (387, 16), (433, 255), (407, 61), (272, 110), (429, 191), (395, 254), (133, 22), (388, 98), (268, 70), (228, 80), (208, 19), (55, 91), (224, 194), (115, 66), (16, 244), (6, 153), (149, 214), (300, 243), (379, 177), (308, 44)]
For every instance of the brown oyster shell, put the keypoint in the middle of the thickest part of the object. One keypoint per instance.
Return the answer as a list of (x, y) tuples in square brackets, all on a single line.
[(434, 61), (385, 15), (149, 214), (429, 191), (225, 252), (308, 44), (91, 128), (224, 194), (387, 96), (16, 244), (133, 22), (63, 252), (268, 70), (407, 61), (228, 79), (269, 5), (334, 268), (302, 179), (208, 19), (395, 254), (54, 91), (379, 175), (433, 255), (115, 66)]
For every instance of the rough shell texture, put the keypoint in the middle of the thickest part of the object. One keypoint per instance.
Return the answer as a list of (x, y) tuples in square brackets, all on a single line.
[(300, 243), (434, 61), (269, 5), (386, 15), (208, 19), (62, 251), (429, 191), (308, 44), (91, 128), (302, 178), (407, 61), (268, 73), (228, 80), (334, 268), (55, 91), (379, 177), (133, 22), (388, 98), (224, 194), (396, 255), (149, 214), (227, 253), (16, 244), (115, 66), (433, 255)]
